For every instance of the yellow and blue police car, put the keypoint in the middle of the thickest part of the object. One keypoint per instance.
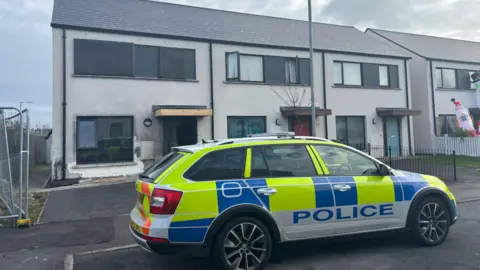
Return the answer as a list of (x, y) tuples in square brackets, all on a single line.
[(238, 198)]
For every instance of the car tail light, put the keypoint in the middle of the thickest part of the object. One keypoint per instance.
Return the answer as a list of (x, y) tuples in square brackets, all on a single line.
[(164, 202)]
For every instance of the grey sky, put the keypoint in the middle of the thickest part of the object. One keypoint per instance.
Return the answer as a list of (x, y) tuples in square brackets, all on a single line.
[(25, 46)]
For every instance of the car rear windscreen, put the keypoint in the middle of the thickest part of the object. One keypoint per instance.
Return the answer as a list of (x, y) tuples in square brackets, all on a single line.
[(154, 171)]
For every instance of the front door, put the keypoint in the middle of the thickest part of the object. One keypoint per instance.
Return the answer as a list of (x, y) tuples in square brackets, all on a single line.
[(301, 126), (392, 136), (364, 200), (297, 197)]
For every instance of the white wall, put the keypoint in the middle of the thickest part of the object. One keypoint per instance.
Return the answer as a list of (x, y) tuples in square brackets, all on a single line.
[(248, 99), (89, 96), (363, 101)]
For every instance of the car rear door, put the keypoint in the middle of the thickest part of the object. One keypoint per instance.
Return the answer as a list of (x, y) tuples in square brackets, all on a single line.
[(364, 199), (295, 193)]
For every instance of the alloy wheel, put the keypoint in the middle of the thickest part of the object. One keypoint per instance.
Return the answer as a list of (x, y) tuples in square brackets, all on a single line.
[(245, 247), (433, 222)]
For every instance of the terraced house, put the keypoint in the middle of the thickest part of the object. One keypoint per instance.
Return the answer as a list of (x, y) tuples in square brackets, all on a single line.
[(441, 70), (134, 77)]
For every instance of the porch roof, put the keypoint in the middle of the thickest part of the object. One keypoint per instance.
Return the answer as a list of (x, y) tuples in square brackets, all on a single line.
[(382, 112), (304, 111), (181, 110)]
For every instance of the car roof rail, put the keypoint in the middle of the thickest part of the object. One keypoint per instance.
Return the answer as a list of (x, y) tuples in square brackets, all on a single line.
[(276, 134), (271, 136)]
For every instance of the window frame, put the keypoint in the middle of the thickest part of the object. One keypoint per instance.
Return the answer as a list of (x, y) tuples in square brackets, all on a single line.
[(95, 119), (376, 162), (346, 126), (388, 76), (305, 145), (296, 59), (216, 151), (264, 118), (343, 74), (441, 76), (439, 131)]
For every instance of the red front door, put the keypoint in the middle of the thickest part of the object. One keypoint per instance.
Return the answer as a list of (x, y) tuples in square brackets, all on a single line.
[(301, 126)]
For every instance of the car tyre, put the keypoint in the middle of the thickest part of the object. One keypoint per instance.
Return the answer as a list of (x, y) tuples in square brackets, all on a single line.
[(431, 222), (242, 241)]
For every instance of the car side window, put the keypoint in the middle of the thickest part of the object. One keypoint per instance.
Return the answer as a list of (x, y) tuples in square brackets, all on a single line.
[(219, 165), (282, 161), (343, 162)]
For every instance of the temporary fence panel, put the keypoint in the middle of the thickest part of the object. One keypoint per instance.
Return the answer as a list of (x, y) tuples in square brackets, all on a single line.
[(462, 146), (7, 209)]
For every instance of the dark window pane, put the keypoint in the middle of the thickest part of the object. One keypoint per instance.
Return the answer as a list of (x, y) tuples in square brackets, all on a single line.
[(463, 79), (343, 162), (446, 125), (356, 132), (219, 165), (341, 123), (104, 139), (146, 61), (274, 69), (259, 168), (393, 76), (370, 74), (98, 57), (288, 161), (304, 70), (239, 126), (177, 63)]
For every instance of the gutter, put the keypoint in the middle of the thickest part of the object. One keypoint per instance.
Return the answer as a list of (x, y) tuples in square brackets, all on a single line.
[(407, 95), (211, 91), (64, 105)]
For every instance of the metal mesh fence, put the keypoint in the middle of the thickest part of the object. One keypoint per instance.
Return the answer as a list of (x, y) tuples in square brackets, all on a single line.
[(6, 188)]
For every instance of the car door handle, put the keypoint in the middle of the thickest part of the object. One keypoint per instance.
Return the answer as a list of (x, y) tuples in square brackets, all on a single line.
[(266, 191), (342, 187)]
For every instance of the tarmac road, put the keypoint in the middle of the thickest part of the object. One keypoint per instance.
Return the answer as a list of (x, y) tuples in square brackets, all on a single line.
[(386, 251)]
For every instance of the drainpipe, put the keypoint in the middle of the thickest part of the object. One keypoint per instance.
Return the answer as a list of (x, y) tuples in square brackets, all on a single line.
[(211, 92), (407, 95), (433, 100), (64, 105), (324, 93)]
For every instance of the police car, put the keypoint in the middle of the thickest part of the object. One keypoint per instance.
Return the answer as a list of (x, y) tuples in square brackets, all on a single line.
[(239, 198)]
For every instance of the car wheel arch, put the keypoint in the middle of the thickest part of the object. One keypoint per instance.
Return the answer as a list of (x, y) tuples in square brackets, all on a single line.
[(242, 210), (424, 193)]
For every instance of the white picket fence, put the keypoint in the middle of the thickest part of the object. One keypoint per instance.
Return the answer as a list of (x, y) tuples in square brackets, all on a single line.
[(461, 146)]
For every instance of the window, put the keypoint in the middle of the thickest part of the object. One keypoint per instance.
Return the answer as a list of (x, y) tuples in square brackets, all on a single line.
[(156, 169), (219, 165), (98, 57), (365, 75), (267, 69), (146, 61), (282, 161), (177, 63), (351, 131), (104, 139), (472, 84), (232, 66), (446, 125), (383, 74), (446, 78), (251, 68), (242, 126), (342, 162)]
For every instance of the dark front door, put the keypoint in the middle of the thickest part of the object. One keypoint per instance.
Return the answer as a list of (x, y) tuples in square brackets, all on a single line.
[(179, 130), (300, 125), (392, 136)]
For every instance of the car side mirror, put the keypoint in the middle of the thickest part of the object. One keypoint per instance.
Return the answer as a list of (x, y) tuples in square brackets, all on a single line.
[(384, 170)]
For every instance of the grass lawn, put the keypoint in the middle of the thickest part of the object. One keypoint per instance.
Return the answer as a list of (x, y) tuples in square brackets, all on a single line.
[(461, 161)]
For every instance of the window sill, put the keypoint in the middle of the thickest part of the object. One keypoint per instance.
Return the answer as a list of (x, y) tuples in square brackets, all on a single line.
[(132, 78), (455, 89), (271, 84), (364, 88), (104, 165)]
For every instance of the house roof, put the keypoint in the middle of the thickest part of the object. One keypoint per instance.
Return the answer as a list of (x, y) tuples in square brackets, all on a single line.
[(435, 48), (144, 17)]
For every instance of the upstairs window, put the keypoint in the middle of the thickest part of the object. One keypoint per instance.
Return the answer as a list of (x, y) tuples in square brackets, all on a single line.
[(267, 69), (365, 75), (446, 78)]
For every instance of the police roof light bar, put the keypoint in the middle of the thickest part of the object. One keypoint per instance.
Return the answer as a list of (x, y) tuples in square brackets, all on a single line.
[(278, 135)]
